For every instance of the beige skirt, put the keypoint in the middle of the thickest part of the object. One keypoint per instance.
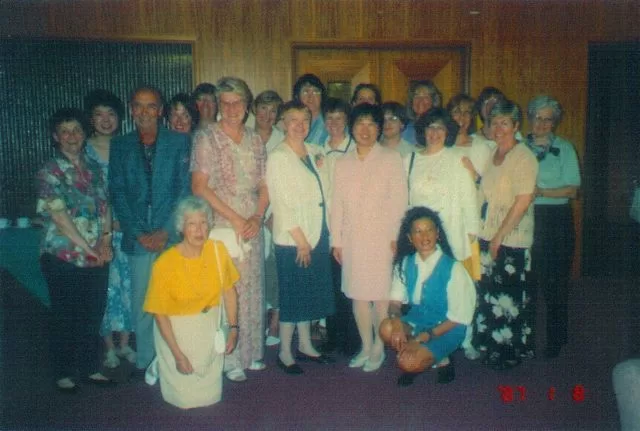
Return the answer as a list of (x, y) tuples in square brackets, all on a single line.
[(194, 335)]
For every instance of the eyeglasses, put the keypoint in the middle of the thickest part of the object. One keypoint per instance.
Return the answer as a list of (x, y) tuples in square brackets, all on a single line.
[(437, 127), (230, 105), (461, 112), (392, 118), (491, 99), (543, 120), (311, 92)]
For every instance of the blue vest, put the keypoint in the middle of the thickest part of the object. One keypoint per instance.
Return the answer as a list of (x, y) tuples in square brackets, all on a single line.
[(433, 306)]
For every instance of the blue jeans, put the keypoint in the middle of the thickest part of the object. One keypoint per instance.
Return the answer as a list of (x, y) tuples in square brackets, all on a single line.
[(140, 266)]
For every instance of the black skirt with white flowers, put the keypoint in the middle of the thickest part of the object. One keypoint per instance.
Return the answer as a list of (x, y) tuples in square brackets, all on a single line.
[(502, 324)]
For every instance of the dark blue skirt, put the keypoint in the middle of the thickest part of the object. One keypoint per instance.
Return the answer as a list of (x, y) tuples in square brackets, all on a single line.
[(305, 293)]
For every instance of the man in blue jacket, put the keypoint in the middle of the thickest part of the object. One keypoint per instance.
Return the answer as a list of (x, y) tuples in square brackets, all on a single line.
[(148, 175)]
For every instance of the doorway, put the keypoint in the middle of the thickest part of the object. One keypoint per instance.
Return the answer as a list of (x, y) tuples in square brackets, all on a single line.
[(392, 67), (611, 240)]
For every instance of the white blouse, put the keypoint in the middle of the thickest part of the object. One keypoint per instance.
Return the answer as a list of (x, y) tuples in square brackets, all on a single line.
[(295, 195), (461, 292), (441, 183)]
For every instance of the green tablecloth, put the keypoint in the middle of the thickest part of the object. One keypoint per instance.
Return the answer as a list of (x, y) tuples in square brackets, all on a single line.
[(20, 255)]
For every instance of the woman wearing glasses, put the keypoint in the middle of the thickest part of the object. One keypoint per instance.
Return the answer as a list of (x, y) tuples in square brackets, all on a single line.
[(311, 91), (553, 244), (422, 96), (395, 121)]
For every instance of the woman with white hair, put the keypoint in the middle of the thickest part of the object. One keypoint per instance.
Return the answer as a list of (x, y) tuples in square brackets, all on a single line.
[(554, 236), (228, 169), (187, 284)]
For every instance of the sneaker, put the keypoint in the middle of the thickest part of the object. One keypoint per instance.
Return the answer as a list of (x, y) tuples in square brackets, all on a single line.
[(257, 366), (128, 353), (111, 359), (236, 375)]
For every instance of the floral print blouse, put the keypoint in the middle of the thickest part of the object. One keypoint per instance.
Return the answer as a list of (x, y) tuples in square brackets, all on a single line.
[(82, 193)]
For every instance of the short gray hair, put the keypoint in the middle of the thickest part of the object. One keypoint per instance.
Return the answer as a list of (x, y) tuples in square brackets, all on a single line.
[(190, 205), (542, 102), (506, 108), (230, 84), (268, 97)]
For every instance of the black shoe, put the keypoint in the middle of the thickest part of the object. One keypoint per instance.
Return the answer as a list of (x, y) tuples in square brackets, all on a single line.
[(406, 379), (552, 352), (137, 375), (293, 369), (446, 374), (328, 347), (101, 383), (322, 359)]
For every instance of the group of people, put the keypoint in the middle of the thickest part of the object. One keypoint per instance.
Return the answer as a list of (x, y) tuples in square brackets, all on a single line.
[(402, 224)]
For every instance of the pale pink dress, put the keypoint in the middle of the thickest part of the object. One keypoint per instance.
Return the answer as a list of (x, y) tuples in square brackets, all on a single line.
[(368, 203), (235, 173)]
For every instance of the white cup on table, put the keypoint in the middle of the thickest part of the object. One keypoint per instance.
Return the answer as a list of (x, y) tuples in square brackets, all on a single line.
[(23, 222)]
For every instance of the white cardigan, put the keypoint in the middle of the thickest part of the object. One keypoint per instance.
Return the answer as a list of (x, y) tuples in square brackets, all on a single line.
[(295, 195)]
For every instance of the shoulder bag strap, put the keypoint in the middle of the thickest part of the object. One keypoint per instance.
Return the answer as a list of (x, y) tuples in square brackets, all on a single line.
[(221, 313)]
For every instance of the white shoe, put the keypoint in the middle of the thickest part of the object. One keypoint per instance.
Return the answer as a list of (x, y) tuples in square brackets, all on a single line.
[(358, 361), (128, 353), (236, 375), (272, 341), (257, 366), (371, 366), (471, 353), (111, 359)]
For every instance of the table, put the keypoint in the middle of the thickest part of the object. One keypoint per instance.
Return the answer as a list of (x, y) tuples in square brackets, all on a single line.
[(20, 256)]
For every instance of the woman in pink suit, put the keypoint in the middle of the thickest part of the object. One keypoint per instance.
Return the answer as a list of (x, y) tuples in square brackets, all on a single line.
[(369, 200)]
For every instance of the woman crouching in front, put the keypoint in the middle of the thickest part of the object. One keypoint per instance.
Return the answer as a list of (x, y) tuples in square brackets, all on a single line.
[(441, 294), (187, 283)]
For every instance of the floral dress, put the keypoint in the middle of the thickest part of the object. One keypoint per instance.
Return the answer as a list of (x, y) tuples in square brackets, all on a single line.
[(236, 171), (117, 315), (82, 193), (503, 321)]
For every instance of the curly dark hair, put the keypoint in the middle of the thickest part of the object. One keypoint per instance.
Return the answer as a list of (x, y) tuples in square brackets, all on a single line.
[(366, 85), (404, 246), (434, 115)]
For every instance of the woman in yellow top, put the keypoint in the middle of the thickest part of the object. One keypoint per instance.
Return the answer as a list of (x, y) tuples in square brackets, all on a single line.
[(187, 283)]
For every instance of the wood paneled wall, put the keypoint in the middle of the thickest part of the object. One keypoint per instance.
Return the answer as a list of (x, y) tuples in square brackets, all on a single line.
[(524, 47)]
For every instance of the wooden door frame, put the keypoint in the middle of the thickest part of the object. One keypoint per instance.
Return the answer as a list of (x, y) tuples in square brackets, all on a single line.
[(464, 48)]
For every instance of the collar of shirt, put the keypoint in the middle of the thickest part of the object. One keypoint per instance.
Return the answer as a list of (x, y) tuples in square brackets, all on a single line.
[(425, 268)]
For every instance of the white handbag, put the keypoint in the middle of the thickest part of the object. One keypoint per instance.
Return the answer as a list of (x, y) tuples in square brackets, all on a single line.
[(236, 247)]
